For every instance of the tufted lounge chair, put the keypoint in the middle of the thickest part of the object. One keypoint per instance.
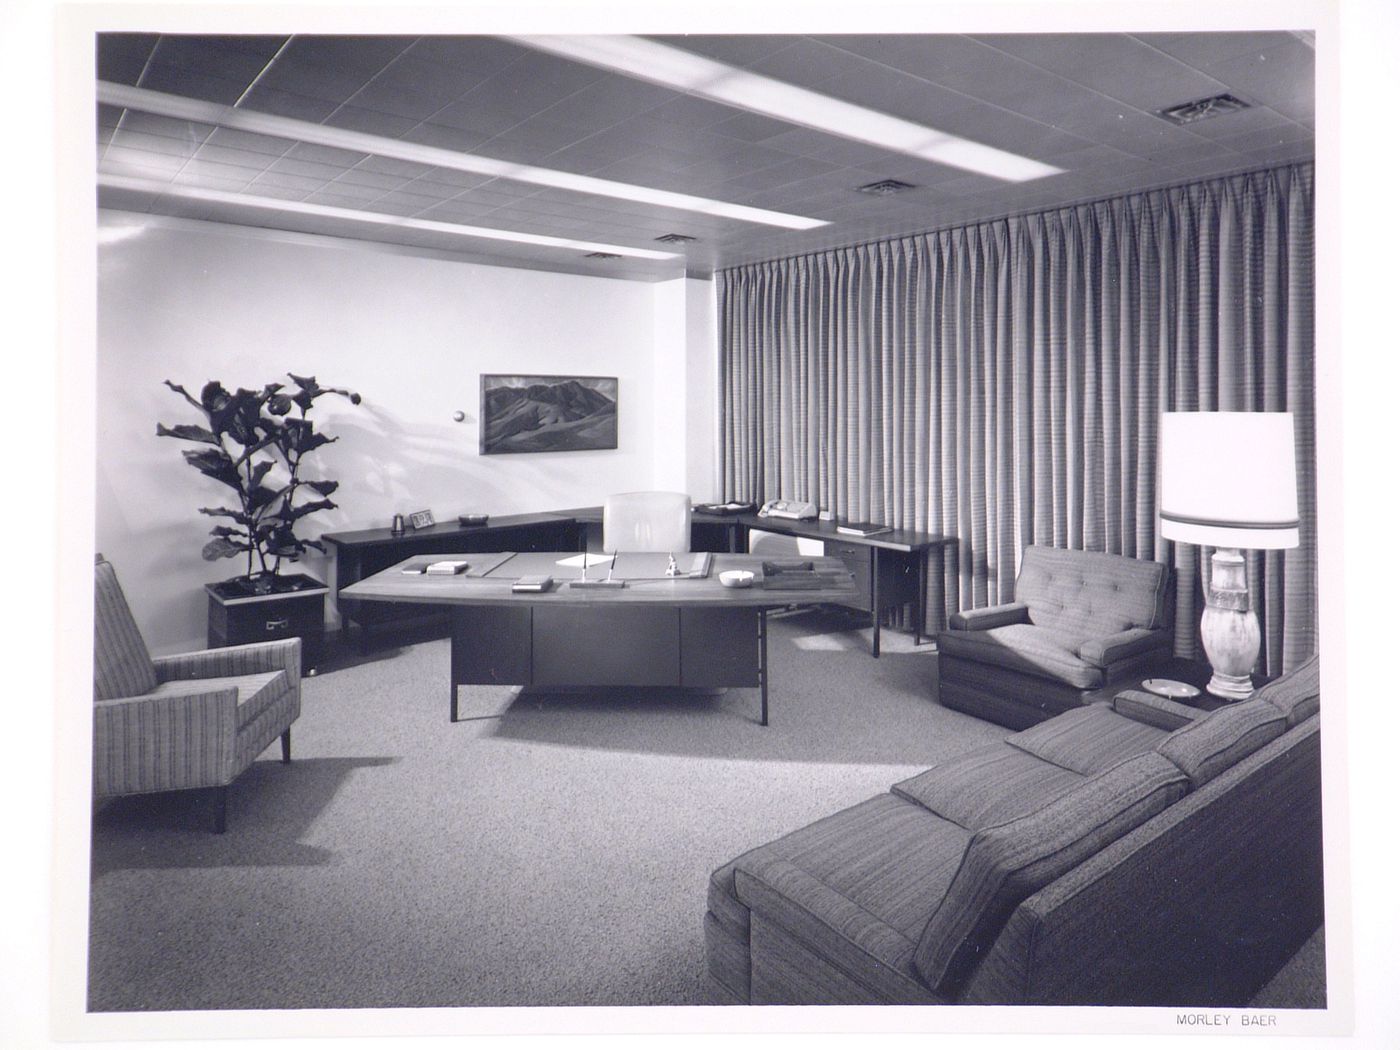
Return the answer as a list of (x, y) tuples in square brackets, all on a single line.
[(1081, 622), (195, 720)]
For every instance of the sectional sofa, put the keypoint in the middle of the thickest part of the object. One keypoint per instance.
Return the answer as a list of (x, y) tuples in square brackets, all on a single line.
[(1138, 852)]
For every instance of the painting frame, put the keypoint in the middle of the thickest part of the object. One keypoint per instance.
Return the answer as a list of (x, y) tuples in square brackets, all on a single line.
[(525, 413)]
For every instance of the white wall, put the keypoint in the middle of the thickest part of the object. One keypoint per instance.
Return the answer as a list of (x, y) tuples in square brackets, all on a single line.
[(685, 388), (192, 302)]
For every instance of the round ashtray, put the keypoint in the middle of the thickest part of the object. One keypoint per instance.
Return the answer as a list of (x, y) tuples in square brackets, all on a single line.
[(1168, 688), (736, 578)]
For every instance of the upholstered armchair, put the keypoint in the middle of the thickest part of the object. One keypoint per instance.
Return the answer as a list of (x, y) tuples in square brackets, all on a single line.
[(1080, 622), (195, 720)]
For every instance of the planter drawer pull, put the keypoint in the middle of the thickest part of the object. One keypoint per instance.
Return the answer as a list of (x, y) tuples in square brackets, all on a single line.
[(278, 625)]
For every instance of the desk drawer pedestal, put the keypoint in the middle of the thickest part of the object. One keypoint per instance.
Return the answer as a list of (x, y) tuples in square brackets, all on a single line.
[(597, 646)]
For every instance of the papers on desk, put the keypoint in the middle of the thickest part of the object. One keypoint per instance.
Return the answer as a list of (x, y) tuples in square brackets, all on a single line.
[(584, 561), (861, 528), (449, 567)]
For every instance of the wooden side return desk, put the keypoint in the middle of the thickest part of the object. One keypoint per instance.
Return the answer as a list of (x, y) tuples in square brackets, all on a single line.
[(656, 630)]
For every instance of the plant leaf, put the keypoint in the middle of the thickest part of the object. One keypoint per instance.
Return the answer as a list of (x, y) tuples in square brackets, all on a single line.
[(263, 496), (226, 512), (187, 432), (214, 463), (260, 471), (223, 548), (325, 488), (227, 531), (302, 510), (184, 393)]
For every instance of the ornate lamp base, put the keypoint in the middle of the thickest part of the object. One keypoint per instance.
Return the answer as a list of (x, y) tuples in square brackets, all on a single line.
[(1229, 628)]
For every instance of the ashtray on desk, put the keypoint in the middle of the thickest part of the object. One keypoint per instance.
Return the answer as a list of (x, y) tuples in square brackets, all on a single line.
[(1168, 688), (736, 578)]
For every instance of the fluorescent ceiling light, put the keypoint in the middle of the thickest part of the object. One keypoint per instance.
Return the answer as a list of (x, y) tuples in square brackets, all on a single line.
[(374, 218), (202, 112), (706, 78)]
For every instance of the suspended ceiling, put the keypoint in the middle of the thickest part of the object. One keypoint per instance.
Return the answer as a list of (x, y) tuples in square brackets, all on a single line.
[(448, 143)]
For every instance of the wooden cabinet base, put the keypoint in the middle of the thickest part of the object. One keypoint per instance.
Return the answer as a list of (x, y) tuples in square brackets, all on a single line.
[(268, 617)]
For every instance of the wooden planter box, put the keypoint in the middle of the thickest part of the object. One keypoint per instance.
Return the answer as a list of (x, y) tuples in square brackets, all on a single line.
[(237, 617)]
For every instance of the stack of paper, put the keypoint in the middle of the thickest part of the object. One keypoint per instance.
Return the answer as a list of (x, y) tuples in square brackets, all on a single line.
[(446, 568)]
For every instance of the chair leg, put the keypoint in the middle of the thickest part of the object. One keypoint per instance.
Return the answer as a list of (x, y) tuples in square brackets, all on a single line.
[(220, 809), (287, 745)]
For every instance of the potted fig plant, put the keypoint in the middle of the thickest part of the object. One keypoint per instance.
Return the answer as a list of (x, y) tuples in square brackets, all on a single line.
[(256, 442)]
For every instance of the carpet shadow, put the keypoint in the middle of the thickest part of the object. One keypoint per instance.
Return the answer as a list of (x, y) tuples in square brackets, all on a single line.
[(823, 684), (270, 808)]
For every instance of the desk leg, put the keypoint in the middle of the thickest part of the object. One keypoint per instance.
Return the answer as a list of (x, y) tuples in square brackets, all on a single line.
[(453, 677), (875, 601), (763, 666), (919, 610)]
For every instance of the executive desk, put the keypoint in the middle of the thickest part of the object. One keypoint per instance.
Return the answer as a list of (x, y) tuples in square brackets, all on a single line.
[(654, 631), (890, 568)]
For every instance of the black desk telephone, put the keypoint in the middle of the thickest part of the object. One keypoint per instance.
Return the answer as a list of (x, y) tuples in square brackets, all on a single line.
[(794, 510)]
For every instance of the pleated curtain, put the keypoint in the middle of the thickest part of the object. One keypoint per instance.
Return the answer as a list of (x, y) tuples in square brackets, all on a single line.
[(1003, 382)]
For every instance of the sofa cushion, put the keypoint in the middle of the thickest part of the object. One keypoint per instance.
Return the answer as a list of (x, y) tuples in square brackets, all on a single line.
[(1296, 694), (1210, 745), (256, 692), (121, 665), (1006, 863), (990, 785), (1088, 740), (1024, 647), (1091, 593), (1154, 710)]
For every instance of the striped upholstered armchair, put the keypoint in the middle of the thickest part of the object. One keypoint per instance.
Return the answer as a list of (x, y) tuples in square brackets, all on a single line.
[(1081, 622), (195, 720)]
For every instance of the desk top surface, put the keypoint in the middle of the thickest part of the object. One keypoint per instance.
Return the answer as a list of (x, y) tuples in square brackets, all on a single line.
[(489, 576)]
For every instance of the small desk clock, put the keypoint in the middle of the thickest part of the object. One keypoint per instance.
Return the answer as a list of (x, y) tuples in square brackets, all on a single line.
[(420, 519)]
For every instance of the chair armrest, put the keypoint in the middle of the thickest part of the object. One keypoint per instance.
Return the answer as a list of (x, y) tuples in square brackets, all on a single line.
[(1153, 710), (253, 658), (991, 616), (1102, 652), (164, 743)]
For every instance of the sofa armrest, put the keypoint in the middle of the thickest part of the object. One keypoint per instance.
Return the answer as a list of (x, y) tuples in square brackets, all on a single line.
[(991, 616), (1104, 652), (1153, 710), (253, 658), (164, 743)]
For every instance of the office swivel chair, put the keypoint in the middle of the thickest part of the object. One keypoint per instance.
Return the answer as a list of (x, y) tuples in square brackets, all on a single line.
[(647, 521)]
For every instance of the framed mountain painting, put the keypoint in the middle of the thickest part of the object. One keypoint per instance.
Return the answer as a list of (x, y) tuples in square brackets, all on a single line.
[(523, 413)]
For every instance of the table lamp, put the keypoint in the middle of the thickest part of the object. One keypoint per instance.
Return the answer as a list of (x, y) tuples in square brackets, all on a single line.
[(1229, 481)]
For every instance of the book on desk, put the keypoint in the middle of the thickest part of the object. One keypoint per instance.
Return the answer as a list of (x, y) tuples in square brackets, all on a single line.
[(861, 528)]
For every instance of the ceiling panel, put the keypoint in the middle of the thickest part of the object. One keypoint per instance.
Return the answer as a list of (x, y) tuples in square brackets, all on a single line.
[(1085, 103)]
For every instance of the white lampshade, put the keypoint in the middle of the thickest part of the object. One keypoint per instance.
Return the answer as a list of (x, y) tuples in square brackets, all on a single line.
[(1229, 479)]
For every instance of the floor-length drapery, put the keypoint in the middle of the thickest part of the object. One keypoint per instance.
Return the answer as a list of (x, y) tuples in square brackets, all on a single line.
[(1003, 382)]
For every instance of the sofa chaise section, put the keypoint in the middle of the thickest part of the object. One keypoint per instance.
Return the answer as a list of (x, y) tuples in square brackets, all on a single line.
[(1097, 858)]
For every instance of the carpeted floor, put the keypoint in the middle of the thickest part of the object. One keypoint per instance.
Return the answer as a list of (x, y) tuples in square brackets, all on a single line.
[(551, 849)]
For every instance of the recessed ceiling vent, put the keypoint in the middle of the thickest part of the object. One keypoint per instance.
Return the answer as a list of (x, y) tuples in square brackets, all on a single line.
[(1202, 109), (602, 255), (675, 238), (885, 187)]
